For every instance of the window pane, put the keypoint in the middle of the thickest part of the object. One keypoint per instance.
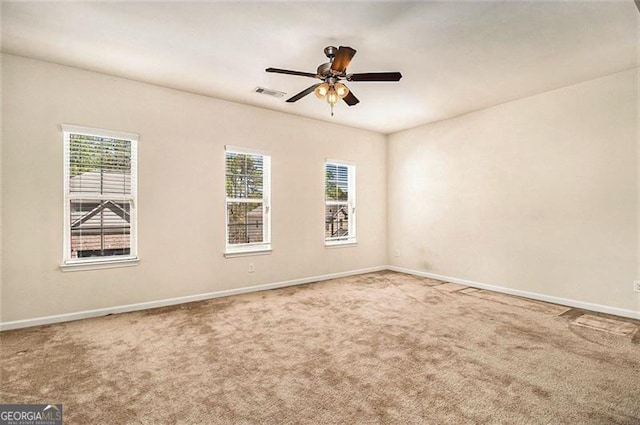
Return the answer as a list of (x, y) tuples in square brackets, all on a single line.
[(99, 165), (245, 222), (336, 182), (336, 221), (236, 186), (254, 186), (100, 228), (244, 175)]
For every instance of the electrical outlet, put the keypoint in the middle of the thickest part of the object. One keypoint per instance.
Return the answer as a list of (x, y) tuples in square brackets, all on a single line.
[(636, 286), (252, 268), (396, 253)]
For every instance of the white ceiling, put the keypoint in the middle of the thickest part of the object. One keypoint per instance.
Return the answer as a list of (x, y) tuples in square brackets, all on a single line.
[(455, 57)]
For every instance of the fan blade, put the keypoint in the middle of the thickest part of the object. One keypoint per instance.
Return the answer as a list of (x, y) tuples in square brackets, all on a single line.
[(375, 76), (342, 59), (350, 99), (289, 72), (303, 93)]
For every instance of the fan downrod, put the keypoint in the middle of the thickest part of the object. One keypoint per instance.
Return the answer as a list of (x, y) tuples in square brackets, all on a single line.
[(324, 70)]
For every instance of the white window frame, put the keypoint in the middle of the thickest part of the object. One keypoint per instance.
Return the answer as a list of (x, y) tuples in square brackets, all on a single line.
[(255, 248), (89, 263), (351, 202)]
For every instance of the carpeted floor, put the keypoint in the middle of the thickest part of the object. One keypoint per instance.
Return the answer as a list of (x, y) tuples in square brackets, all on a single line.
[(381, 348)]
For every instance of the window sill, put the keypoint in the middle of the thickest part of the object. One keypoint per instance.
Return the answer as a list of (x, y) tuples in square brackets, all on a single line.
[(340, 244), (247, 252), (98, 265)]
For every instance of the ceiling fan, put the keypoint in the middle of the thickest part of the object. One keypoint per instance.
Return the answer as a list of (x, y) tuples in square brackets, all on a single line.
[(332, 73)]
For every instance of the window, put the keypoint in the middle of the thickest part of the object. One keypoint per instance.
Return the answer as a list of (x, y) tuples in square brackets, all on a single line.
[(100, 182), (340, 203), (247, 204)]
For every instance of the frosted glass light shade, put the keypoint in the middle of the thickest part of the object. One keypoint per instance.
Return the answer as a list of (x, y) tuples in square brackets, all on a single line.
[(341, 89), (332, 96), (321, 90)]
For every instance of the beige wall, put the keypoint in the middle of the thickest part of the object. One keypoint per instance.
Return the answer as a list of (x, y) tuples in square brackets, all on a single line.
[(181, 191), (1, 243), (539, 194), (638, 168)]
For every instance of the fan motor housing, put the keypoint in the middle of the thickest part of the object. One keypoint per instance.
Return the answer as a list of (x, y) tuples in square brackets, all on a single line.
[(324, 70)]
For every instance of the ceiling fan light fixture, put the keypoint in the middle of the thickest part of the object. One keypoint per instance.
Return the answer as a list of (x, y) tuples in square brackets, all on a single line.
[(322, 90), (341, 90), (332, 96)]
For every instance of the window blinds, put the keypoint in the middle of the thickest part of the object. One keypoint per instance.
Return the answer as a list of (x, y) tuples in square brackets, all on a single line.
[(339, 202), (246, 209), (337, 182), (99, 166), (100, 194)]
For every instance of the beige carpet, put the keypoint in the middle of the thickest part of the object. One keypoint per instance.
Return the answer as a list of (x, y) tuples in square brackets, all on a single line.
[(381, 348)]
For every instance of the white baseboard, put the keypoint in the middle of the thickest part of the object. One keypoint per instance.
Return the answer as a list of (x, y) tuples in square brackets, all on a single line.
[(17, 324), (526, 294)]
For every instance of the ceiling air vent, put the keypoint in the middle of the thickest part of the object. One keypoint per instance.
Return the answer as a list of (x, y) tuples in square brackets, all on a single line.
[(269, 92)]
